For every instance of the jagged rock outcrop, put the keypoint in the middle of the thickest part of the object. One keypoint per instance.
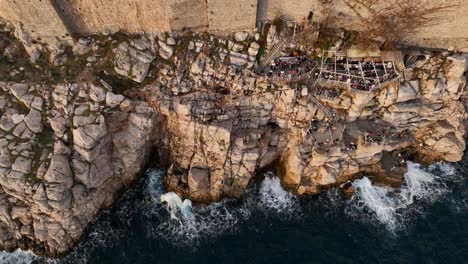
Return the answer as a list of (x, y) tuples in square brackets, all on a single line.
[(61, 165), (68, 149)]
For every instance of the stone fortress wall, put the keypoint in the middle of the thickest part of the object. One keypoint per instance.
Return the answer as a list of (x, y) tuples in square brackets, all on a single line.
[(39, 17), (91, 16), (231, 15), (291, 9), (51, 19)]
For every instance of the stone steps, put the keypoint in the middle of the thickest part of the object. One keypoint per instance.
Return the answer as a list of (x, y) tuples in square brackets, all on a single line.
[(274, 52)]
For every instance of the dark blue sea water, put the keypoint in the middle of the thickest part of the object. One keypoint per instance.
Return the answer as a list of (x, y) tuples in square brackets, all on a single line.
[(424, 222)]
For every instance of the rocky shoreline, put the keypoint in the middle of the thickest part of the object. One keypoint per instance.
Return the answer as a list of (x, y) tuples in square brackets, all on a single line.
[(68, 147)]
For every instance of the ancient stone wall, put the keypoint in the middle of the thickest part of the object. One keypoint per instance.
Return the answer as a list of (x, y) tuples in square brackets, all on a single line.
[(292, 9), (231, 15), (133, 16), (188, 14), (38, 17), (51, 19)]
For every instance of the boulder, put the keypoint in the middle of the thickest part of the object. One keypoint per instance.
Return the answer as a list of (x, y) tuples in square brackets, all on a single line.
[(17, 118), (96, 93), (252, 51), (113, 100), (59, 171), (238, 59), (198, 65), (165, 50), (59, 125), (171, 41), (142, 43), (131, 62), (19, 90), (82, 47), (241, 36), (6, 123), (34, 121), (37, 103)]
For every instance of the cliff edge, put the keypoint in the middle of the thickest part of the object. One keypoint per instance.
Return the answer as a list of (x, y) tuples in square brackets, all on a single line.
[(70, 144)]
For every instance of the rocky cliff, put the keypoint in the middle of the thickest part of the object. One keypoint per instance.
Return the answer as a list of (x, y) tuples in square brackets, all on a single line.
[(69, 146)]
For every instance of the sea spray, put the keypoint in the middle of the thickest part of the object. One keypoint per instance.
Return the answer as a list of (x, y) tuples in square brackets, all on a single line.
[(140, 219), (182, 224), (420, 184), (218, 218), (394, 207), (376, 199), (22, 257), (272, 198), (179, 210)]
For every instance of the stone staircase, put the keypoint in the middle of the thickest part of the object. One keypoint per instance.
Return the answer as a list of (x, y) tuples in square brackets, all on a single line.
[(274, 52), (321, 106)]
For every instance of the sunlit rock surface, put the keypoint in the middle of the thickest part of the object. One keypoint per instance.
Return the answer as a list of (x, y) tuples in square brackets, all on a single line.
[(67, 148)]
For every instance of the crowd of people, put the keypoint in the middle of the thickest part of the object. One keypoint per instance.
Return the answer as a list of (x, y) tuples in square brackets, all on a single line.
[(349, 146), (290, 68), (359, 75), (371, 138), (326, 126), (327, 93)]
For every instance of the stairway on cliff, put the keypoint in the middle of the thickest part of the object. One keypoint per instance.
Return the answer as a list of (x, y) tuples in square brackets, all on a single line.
[(320, 105), (274, 52)]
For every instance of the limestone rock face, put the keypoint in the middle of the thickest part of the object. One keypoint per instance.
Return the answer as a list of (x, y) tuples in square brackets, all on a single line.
[(132, 62), (407, 93), (61, 160), (199, 182), (67, 150), (256, 127)]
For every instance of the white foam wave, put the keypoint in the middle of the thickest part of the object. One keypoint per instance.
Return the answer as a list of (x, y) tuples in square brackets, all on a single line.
[(393, 207), (217, 218), (22, 257), (273, 198), (186, 225), (376, 199), (176, 207)]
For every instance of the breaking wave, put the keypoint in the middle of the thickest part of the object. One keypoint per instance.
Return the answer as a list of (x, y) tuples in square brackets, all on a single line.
[(20, 257), (179, 222), (187, 224), (396, 207), (273, 198), (166, 217)]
